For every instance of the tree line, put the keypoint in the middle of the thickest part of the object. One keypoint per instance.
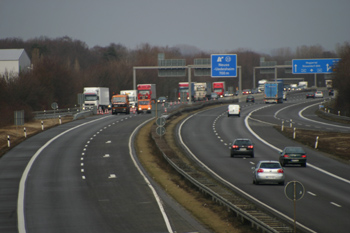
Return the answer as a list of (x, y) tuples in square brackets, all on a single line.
[(63, 66)]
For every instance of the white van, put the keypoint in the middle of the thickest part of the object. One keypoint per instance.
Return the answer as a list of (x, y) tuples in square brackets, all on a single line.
[(234, 110)]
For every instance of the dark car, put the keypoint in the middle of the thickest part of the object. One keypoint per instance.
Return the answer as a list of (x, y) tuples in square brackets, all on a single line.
[(250, 98), (293, 155), (242, 146), (162, 99), (310, 95), (331, 92)]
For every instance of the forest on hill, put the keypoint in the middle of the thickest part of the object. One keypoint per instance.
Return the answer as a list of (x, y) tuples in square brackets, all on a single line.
[(61, 67)]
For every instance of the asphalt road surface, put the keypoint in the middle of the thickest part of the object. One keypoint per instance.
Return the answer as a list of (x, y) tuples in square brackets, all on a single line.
[(81, 177), (325, 206)]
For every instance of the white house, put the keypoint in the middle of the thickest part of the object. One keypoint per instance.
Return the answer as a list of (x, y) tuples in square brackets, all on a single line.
[(13, 61)]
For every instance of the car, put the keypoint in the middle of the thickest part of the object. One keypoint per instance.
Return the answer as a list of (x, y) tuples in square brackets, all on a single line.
[(250, 98), (284, 95), (331, 92), (214, 96), (162, 99), (242, 146), (233, 110), (293, 155), (268, 172), (246, 91), (310, 95), (318, 94)]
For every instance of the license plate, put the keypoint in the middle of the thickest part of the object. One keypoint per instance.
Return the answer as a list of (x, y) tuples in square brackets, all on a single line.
[(243, 149), (295, 160)]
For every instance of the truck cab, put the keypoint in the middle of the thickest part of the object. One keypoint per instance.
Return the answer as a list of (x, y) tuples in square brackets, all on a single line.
[(144, 106), (120, 104)]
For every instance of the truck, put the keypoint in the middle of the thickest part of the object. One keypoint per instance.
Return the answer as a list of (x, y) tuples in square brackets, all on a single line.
[(132, 97), (184, 91), (146, 91), (303, 84), (261, 85), (219, 88), (120, 104), (329, 83), (202, 91), (273, 92), (96, 97)]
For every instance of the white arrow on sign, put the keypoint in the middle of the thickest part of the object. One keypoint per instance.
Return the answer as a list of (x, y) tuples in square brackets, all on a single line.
[(295, 70)]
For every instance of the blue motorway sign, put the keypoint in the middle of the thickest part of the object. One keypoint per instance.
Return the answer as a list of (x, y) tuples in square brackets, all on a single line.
[(314, 66), (223, 65)]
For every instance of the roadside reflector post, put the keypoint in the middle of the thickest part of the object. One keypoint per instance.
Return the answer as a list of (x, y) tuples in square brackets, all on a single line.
[(291, 123), (316, 143), (282, 126), (8, 141), (42, 125), (59, 117), (25, 132), (338, 113), (294, 133)]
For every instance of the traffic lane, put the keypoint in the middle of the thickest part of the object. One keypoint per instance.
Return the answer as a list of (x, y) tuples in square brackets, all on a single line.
[(314, 157), (117, 186), (57, 198), (237, 171), (12, 165), (309, 116)]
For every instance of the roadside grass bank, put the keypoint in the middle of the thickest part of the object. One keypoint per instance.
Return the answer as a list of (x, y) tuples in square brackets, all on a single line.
[(213, 216), (337, 145), (16, 133)]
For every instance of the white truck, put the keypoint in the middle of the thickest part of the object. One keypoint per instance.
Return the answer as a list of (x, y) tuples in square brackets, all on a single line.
[(261, 85), (303, 84), (96, 96), (132, 96), (202, 91)]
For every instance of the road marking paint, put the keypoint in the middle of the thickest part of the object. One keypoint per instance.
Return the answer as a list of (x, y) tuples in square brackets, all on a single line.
[(335, 204), (106, 156), (82, 153), (312, 194), (108, 142), (83, 177), (81, 158), (112, 176)]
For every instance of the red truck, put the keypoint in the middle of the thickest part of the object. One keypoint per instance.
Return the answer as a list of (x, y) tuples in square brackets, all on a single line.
[(219, 88), (146, 91)]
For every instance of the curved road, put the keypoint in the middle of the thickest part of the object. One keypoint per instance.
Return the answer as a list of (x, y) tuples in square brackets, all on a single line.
[(83, 178), (325, 206)]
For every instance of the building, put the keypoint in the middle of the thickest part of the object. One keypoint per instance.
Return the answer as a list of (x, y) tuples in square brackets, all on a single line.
[(13, 61)]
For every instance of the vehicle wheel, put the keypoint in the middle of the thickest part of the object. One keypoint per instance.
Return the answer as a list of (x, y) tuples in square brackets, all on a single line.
[(239, 115), (253, 181), (228, 115), (232, 155), (252, 156), (303, 164)]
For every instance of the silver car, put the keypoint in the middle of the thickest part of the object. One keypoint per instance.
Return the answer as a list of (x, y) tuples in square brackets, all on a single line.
[(268, 172)]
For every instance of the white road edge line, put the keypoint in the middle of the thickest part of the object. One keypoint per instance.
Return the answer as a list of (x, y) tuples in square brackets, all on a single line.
[(231, 185), (159, 201), (20, 201)]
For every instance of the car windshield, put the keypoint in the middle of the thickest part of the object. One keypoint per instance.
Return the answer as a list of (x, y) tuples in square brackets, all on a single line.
[(294, 150), (143, 102), (270, 165), (243, 142)]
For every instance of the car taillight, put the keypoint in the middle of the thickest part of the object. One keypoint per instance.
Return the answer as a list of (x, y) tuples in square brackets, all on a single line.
[(234, 146), (303, 156), (280, 171), (286, 156), (260, 170), (250, 147)]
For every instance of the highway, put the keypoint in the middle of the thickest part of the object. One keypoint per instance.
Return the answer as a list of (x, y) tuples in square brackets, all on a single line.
[(83, 176), (325, 206)]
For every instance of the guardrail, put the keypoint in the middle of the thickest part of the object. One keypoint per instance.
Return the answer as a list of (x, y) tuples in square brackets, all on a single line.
[(47, 114), (218, 191)]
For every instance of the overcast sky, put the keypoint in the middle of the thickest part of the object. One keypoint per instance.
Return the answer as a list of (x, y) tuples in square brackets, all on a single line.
[(210, 25)]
